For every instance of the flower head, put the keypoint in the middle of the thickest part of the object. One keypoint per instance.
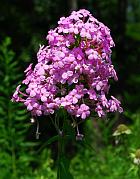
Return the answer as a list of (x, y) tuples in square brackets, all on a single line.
[(136, 157), (73, 71), (122, 129)]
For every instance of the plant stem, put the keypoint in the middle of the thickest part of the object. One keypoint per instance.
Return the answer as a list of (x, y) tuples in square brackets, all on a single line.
[(63, 163), (138, 172), (61, 153)]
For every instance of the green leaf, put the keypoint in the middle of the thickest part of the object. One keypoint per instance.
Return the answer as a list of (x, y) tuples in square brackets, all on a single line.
[(48, 142), (63, 169), (28, 144)]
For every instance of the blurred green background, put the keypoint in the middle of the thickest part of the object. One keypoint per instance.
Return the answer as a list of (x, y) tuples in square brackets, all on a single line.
[(23, 26)]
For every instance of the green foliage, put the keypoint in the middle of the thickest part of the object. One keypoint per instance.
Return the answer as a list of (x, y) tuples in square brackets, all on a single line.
[(12, 121), (110, 161), (97, 156), (63, 168), (16, 152), (44, 171)]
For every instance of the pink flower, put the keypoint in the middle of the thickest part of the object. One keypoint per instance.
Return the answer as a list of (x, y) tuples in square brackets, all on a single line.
[(115, 105), (83, 111), (15, 96), (74, 68), (32, 89), (99, 111), (65, 101)]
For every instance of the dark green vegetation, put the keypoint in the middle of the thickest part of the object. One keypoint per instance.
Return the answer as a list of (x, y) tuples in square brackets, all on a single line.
[(24, 157)]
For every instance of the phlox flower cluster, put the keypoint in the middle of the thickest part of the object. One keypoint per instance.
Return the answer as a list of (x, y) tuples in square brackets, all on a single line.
[(73, 71)]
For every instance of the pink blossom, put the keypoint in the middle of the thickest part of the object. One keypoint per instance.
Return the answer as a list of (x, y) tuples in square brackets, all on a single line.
[(99, 110), (73, 71), (83, 111), (15, 96)]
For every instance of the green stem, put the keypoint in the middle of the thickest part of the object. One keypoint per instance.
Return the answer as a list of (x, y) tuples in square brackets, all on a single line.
[(61, 153), (63, 162), (138, 172)]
